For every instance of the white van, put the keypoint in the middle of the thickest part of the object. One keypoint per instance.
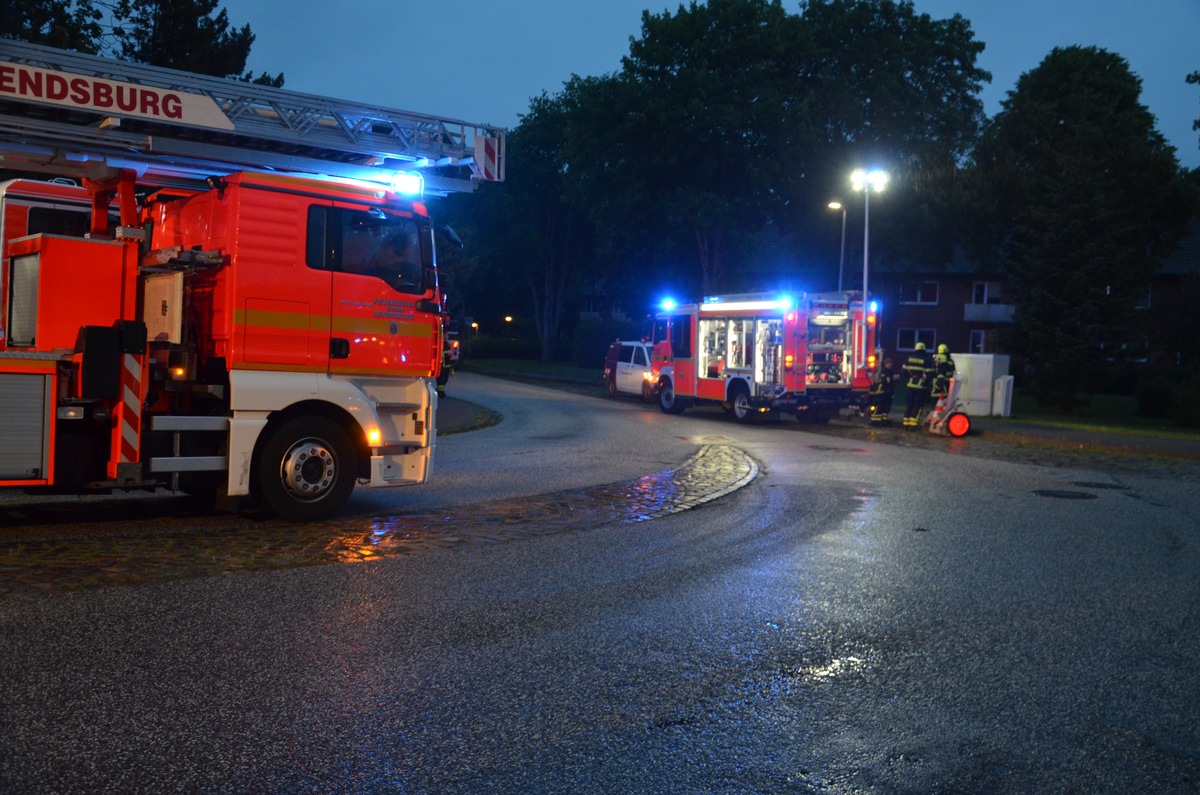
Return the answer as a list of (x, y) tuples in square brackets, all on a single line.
[(627, 370)]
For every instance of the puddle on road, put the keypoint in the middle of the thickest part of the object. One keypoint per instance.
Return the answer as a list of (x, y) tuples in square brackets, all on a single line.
[(58, 565)]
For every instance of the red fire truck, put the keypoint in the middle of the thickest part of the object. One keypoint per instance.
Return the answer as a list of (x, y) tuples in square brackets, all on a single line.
[(239, 297), (810, 354)]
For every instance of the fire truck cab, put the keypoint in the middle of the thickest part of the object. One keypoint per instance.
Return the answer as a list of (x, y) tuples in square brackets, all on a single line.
[(811, 355)]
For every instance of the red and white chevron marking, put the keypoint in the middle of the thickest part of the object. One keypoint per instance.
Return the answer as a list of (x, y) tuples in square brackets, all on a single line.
[(131, 408), (487, 158)]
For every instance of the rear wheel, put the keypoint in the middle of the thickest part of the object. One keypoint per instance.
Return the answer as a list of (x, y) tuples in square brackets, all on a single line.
[(958, 424), (306, 469), (612, 387), (667, 400), (739, 402)]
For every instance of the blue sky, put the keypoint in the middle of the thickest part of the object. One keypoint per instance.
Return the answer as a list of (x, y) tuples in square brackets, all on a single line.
[(482, 62)]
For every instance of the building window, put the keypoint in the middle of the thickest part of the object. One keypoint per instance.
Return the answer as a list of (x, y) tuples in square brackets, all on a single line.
[(978, 341), (925, 292), (907, 338), (1145, 300), (986, 293)]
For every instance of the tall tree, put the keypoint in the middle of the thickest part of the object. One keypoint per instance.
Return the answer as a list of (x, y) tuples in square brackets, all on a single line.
[(551, 236), (179, 34), (67, 24), (185, 34), (893, 89), (1088, 197), (687, 140), (526, 234), (1194, 79)]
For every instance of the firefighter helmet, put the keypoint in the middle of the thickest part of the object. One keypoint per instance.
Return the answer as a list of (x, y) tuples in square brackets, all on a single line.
[(920, 346), (943, 348)]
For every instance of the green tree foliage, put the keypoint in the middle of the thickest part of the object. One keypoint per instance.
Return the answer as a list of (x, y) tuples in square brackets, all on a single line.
[(1194, 79), (1088, 196), (687, 141), (67, 24), (186, 35), (178, 34), (733, 120), (547, 238), (890, 88), (528, 245)]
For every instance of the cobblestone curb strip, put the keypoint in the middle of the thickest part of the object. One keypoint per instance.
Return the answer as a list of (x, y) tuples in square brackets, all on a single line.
[(60, 566)]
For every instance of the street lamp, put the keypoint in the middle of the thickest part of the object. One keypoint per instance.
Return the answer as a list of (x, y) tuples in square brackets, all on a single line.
[(837, 205), (867, 181)]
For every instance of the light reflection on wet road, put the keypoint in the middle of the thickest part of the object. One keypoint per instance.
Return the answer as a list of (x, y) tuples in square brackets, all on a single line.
[(135, 556)]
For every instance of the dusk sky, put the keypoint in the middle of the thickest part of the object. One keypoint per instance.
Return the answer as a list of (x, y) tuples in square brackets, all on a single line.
[(482, 62)]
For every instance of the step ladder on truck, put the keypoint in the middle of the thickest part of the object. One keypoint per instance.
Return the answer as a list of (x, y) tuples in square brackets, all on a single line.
[(237, 296)]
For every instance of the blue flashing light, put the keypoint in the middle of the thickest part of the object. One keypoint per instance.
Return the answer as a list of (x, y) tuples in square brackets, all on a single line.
[(408, 183), (874, 306), (668, 304), (785, 302)]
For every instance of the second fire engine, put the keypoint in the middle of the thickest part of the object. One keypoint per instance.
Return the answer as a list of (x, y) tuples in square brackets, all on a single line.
[(811, 354)]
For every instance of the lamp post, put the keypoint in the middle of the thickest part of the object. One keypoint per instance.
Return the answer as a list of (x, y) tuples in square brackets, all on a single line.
[(867, 181), (837, 205)]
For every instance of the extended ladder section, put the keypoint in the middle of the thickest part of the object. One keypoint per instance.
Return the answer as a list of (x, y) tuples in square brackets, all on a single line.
[(85, 116)]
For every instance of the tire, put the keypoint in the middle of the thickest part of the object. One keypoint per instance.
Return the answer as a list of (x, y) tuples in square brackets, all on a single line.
[(647, 392), (958, 424), (612, 387), (667, 400), (739, 402), (305, 469)]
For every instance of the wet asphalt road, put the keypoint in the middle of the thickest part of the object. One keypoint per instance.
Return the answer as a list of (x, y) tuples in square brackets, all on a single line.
[(860, 617)]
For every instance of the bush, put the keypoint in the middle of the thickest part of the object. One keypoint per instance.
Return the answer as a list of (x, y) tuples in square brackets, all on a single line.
[(1185, 409), (1155, 394)]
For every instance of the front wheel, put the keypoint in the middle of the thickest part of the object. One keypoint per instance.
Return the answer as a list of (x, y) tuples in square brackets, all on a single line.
[(668, 401), (306, 469)]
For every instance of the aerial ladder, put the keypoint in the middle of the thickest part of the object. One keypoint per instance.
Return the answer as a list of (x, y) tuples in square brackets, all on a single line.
[(252, 307), (73, 114)]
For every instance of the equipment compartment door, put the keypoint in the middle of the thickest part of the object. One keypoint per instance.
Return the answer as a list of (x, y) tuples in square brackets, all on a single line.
[(25, 426)]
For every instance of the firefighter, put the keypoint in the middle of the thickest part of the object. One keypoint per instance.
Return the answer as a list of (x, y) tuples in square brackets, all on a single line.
[(882, 390), (919, 368), (943, 371)]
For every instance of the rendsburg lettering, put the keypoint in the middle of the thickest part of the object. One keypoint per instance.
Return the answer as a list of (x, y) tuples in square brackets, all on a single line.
[(38, 84)]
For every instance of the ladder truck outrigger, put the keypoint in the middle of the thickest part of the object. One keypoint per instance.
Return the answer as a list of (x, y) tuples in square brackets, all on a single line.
[(240, 295), (811, 354)]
